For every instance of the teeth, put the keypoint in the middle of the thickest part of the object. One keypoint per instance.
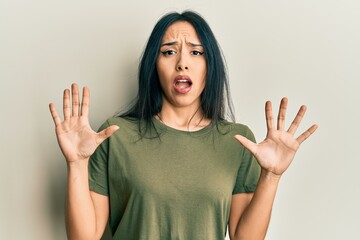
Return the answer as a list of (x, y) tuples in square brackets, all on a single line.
[(182, 81)]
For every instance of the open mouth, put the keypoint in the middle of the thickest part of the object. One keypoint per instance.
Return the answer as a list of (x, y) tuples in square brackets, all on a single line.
[(182, 84)]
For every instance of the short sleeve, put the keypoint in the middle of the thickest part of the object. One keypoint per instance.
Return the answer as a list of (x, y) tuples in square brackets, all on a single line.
[(98, 167), (249, 170)]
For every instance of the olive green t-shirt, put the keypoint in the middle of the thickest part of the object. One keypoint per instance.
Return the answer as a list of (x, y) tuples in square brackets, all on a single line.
[(176, 186)]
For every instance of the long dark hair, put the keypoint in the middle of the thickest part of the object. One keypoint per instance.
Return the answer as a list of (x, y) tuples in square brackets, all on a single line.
[(216, 93)]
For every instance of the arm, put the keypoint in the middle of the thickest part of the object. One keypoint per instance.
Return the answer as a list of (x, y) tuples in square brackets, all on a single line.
[(250, 215), (86, 212), (250, 212)]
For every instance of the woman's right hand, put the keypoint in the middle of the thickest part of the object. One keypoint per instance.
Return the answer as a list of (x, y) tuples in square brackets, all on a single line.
[(76, 139)]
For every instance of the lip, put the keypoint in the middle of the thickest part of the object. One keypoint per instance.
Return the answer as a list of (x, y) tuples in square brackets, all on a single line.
[(182, 90)]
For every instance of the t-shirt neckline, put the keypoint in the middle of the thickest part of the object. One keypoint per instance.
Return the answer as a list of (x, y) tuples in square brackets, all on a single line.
[(165, 128)]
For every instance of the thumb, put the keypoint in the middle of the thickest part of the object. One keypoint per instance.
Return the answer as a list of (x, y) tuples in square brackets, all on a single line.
[(107, 132), (249, 145)]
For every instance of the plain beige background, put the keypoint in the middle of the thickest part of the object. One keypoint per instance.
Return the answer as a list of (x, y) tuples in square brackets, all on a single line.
[(306, 50)]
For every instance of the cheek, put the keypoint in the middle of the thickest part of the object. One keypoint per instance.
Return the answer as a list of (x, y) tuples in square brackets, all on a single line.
[(160, 71), (162, 74), (162, 68), (204, 72)]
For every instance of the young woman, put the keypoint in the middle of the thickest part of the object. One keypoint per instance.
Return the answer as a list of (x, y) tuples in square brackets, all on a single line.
[(170, 167)]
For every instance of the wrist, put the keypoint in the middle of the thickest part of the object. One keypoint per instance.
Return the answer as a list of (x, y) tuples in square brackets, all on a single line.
[(80, 163), (270, 176)]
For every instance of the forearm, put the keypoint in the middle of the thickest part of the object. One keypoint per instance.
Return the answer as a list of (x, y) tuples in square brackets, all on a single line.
[(255, 219), (80, 212)]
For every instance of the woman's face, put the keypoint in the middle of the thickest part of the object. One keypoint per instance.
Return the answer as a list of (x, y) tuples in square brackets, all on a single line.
[(181, 66)]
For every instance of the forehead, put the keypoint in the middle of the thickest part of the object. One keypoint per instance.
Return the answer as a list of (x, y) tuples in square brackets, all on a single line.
[(181, 29)]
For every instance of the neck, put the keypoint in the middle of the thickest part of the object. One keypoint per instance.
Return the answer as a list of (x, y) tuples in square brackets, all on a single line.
[(183, 118)]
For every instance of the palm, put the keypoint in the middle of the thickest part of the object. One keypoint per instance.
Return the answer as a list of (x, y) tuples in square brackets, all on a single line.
[(276, 152), (76, 139)]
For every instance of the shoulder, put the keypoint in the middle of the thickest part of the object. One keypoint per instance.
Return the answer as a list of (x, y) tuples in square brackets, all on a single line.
[(123, 121), (131, 124), (233, 129), (237, 128), (128, 129)]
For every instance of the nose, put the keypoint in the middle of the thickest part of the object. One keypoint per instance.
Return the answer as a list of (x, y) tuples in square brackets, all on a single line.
[(182, 63), (181, 67)]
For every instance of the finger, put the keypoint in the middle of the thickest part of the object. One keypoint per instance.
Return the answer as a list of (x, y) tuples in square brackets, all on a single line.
[(107, 132), (249, 145), (269, 115), (307, 134), (54, 115), (75, 99), (85, 102), (66, 104), (297, 120), (282, 114)]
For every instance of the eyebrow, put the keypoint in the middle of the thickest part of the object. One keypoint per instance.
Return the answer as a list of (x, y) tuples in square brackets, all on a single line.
[(175, 42)]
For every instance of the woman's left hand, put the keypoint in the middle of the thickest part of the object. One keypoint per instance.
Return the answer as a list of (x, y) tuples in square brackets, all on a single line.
[(278, 149)]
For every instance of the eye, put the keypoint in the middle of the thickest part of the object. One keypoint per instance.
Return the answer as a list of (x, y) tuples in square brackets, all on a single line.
[(168, 52), (197, 53)]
